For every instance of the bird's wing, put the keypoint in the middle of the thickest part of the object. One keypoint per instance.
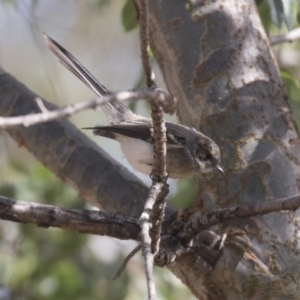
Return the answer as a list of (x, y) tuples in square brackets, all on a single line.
[(138, 130)]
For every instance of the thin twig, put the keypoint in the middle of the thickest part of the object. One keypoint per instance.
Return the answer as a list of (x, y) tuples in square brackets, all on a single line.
[(41, 105), (288, 37), (144, 44), (159, 172), (195, 222), (145, 224), (126, 260), (154, 192), (157, 217), (148, 256), (46, 116)]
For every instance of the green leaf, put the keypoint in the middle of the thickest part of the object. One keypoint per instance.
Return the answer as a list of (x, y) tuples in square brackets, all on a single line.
[(102, 3), (8, 1), (289, 78), (258, 2), (185, 194), (288, 15), (277, 12), (264, 12), (129, 16)]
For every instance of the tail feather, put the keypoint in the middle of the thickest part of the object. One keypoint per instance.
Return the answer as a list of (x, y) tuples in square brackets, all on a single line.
[(115, 110), (73, 65)]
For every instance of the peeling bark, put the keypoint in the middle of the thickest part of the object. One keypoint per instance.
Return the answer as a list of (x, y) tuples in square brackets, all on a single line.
[(216, 59)]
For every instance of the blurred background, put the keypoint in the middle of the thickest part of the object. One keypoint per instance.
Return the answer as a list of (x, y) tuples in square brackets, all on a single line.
[(38, 263)]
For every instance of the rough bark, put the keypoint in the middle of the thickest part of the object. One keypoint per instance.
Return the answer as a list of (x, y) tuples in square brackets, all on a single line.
[(71, 155), (119, 226), (216, 59)]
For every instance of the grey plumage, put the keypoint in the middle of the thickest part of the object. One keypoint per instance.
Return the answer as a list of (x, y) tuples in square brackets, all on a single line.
[(188, 151)]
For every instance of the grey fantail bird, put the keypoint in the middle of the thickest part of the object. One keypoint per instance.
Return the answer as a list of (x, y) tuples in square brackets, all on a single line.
[(189, 152)]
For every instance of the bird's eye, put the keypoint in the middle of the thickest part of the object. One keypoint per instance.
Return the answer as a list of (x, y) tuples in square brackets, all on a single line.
[(208, 156)]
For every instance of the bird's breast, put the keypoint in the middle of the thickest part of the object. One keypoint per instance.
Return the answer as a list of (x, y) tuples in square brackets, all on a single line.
[(138, 153)]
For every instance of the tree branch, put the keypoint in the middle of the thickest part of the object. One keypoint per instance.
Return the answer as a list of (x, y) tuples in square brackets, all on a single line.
[(288, 37), (193, 222), (92, 222), (126, 260), (173, 247), (71, 155), (31, 119), (83, 221)]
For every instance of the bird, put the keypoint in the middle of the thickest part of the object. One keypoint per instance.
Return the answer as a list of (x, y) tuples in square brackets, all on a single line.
[(189, 152)]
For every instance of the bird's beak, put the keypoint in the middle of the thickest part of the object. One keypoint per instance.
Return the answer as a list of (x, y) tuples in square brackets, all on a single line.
[(218, 167)]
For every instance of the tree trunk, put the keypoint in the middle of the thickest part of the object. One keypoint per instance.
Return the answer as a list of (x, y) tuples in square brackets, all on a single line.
[(216, 59), (71, 155)]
